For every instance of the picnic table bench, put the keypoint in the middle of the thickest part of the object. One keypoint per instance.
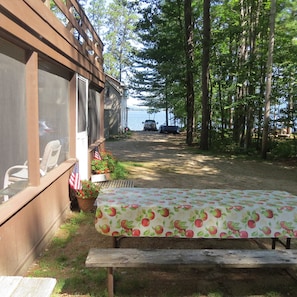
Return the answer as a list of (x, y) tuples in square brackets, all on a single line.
[(111, 258), (18, 286), (193, 213)]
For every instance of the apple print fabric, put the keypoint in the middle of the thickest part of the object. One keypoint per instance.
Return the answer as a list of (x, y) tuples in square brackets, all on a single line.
[(194, 213)]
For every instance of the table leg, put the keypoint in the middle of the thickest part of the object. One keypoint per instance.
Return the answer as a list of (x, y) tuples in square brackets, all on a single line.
[(287, 244), (116, 241), (110, 282), (110, 270), (273, 243)]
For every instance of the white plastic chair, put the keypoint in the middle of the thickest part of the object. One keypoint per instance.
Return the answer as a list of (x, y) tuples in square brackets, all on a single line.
[(48, 161)]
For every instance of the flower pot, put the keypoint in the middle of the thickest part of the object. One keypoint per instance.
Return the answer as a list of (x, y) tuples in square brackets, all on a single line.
[(95, 178), (86, 205)]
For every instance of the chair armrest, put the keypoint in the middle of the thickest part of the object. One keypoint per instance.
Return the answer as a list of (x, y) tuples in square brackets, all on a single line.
[(8, 173)]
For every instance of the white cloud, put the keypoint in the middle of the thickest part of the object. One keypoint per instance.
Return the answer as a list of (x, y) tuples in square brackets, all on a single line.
[(132, 102)]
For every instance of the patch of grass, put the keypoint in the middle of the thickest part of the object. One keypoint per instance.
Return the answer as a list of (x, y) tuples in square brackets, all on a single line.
[(215, 294), (87, 283), (120, 136), (67, 230), (129, 288), (273, 294), (120, 171), (62, 260), (66, 263)]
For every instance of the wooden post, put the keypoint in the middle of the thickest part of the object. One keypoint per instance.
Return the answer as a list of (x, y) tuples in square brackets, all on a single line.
[(110, 282)]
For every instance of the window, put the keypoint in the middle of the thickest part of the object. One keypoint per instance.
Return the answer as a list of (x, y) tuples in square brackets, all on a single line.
[(93, 114), (13, 128), (53, 96)]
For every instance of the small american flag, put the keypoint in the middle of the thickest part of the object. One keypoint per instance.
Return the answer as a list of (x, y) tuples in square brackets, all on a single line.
[(97, 154), (74, 179)]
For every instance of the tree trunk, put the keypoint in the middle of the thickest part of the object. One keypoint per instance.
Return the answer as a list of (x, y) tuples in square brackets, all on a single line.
[(205, 68), (268, 79), (189, 46), (241, 94)]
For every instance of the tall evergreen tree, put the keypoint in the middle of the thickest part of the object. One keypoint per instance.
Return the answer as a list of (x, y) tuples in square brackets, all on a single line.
[(229, 86), (160, 62), (96, 12), (205, 76), (268, 78), (189, 46), (119, 38)]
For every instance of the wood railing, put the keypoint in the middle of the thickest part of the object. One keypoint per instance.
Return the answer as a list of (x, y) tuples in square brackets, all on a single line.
[(60, 30), (77, 22)]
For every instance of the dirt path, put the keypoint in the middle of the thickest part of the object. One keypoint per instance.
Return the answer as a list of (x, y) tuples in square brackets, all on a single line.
[(165, 161)]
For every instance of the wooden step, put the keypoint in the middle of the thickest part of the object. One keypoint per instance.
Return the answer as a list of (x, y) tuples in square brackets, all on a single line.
[(129, 257)]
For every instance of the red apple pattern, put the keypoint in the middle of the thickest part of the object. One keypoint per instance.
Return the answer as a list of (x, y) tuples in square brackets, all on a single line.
[(194, 213)]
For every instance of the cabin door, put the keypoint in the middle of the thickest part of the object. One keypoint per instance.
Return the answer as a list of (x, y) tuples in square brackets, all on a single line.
[(82, 126)]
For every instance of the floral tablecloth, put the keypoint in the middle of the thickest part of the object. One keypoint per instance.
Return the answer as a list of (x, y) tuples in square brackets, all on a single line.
[(195, 213)]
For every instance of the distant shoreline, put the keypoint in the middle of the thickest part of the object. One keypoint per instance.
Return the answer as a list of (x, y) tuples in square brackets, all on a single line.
[(136, 117)]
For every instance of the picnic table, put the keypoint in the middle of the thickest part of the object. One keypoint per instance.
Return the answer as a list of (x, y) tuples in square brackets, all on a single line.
[(193, 213), (196, 213)]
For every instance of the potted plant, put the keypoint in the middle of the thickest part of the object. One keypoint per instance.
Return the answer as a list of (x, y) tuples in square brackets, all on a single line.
[(101, 168), (87, 195)]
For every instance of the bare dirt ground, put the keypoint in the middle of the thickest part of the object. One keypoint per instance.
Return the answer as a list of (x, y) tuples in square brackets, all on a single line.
[(170, 163), (160, 160)]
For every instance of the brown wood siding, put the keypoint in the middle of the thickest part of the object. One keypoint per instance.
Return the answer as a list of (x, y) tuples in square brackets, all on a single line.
[(29, 219), (40, 211)]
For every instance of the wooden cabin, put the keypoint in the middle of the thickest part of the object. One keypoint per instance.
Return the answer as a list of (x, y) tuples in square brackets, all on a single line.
[(115, 107), (52, 99)]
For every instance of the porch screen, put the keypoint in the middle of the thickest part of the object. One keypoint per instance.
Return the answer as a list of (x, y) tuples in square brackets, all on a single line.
[(53, 109), (13, 128)]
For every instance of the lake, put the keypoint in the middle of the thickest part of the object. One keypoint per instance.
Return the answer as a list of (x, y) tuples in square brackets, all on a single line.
[(136, 117)]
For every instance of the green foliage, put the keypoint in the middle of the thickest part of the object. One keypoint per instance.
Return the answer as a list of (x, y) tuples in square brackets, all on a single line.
[(114, 21), (106, 164), (147, 40), (96, 12), (159, 73), (120, 171), (238, 60), (119, 38), (99, 166), (109, 164), (89, 190), (215, 294), (283, 149), (273, 294)]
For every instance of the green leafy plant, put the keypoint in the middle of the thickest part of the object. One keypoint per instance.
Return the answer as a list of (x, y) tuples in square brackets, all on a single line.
[(89, 190), (120, 171), (99, 166), (105, 165)]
